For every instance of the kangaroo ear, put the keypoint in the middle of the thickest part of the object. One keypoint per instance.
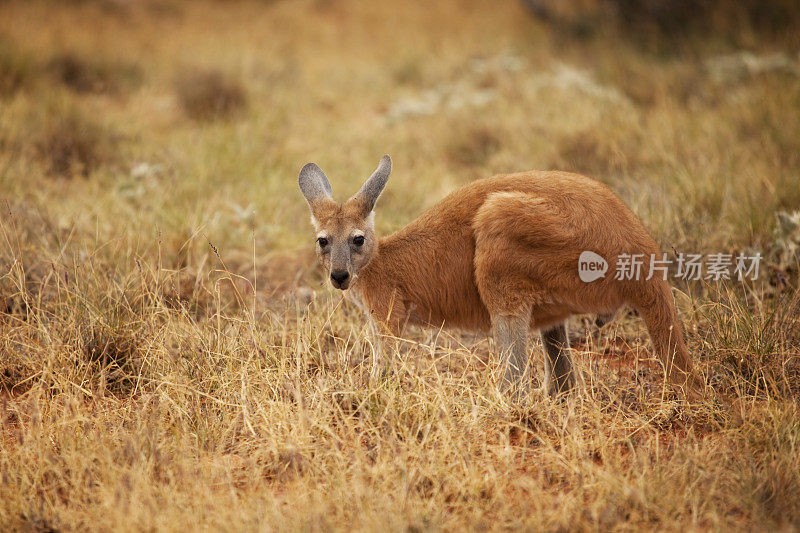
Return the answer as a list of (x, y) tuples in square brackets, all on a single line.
[(372, 188), (314, 184)]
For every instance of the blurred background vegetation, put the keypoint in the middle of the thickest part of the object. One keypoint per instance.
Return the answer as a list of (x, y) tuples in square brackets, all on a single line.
[(157, 284), (155, 144), (125, 120)]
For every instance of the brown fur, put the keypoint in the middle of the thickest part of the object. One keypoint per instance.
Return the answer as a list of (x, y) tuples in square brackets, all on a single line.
[(504, 249)]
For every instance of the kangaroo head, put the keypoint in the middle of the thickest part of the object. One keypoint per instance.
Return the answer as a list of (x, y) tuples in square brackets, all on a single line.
[(345, 232)]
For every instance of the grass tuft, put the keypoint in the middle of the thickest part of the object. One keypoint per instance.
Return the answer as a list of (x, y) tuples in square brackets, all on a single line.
[(210, 94), (473, 147), (71, 143), (112, 351), (93, 76)]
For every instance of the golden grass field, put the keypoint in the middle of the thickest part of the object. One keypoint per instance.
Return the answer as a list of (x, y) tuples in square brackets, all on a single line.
[(171, 358)]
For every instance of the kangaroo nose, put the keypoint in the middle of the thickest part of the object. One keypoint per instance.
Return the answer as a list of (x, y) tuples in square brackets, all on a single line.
[(339, 277)]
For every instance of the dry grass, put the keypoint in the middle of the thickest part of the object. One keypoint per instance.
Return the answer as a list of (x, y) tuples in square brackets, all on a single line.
[(210, 94), (84, 76), (16, 70), (69, 142), (171, 359)]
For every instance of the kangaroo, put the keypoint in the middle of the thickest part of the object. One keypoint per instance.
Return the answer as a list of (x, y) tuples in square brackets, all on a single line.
[(499, 255)]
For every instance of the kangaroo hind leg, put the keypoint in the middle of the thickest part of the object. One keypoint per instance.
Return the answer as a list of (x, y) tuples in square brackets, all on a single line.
[(510, 332), (558, 373)]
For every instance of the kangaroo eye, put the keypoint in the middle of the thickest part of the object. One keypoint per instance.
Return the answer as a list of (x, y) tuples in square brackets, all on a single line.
[(358, 240), (323, 242)]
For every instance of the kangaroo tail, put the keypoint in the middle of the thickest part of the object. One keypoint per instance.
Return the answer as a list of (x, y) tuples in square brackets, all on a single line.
[(657, 306)]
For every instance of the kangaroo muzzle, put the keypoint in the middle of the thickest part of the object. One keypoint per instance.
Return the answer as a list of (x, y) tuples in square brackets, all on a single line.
[(340, 279)]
